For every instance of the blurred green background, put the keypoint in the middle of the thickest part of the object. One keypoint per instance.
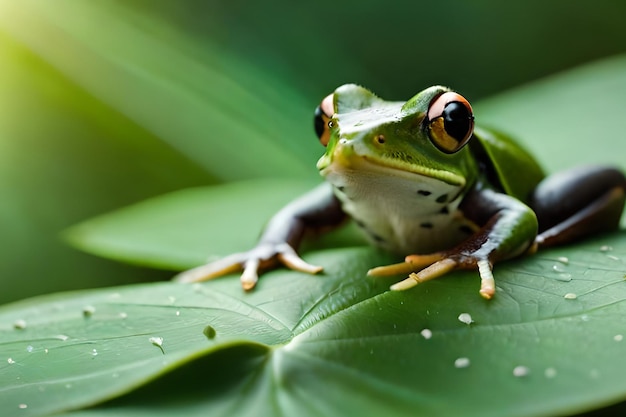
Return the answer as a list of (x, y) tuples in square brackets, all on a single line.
[(106, 103)]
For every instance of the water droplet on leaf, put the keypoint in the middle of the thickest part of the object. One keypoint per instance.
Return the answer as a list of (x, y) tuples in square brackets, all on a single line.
[(465, 318), (461, 363), (19, 324), (520, 371), (550, 372), (88, 311), (158, 342), (426, 334)]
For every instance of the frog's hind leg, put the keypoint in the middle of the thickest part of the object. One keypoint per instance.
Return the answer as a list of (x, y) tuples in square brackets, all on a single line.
[(578, 202)]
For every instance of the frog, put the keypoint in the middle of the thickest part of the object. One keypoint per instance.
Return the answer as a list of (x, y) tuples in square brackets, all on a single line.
[(423, 181)]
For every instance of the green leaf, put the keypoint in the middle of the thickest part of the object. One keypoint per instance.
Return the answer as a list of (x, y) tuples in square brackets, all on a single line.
[(332, 344), (70, 350)]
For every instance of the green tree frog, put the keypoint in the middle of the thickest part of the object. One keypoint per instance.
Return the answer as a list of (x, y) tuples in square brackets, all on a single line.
[(420, 180)]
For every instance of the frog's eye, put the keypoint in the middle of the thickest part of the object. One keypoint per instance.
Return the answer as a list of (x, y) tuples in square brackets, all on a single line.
[(450, 122), (322, 119)]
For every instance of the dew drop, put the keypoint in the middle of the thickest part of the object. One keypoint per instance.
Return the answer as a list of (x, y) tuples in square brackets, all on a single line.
[(426, 334), (45, 350), (171, 299), (10, 361), (177, 313), (612, 257), (521, 371), (570, 296), (584, 317), (563, 259), (22, 406), (158, 342), (465, 318), (605, 248), (618, 337), (94, 352), (565, 277), (19, 324), (461, 362), (29, 349), (209, 332), (88, 311), (558, 268), (123, 315), (550, 373)]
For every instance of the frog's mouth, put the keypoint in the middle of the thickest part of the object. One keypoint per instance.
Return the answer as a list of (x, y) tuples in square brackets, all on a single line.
[(345, 158)]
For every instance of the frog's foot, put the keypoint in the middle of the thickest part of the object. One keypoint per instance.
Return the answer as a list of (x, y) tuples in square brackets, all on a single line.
[(434, 265), (251, 262)]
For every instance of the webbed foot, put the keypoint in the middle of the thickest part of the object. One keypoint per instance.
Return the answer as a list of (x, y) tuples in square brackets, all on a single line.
[(262, 257), (424, 268)]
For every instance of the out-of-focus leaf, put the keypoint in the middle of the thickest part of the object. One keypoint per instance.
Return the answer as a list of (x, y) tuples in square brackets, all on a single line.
[(185, 228), (568, 119), (190, 95), (66, 156)]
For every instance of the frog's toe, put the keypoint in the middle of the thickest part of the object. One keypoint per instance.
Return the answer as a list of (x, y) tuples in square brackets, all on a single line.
[(211, 270), (411, 263), (290, 258), (250, 276), (433, 271), (487, 283), (394, 269)]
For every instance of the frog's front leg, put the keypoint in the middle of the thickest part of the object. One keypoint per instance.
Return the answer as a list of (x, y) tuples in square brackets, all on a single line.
[(508, 229), (578, 202), (313, 212)]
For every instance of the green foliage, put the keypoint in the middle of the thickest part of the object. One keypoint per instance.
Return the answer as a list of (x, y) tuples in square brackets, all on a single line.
[(332, 344)]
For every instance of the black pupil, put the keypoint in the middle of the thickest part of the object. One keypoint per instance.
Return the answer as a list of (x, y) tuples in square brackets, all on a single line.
[(457, 120), (318, 122)]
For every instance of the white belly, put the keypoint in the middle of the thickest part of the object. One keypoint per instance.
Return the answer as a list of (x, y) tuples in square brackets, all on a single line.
[(402, 212)]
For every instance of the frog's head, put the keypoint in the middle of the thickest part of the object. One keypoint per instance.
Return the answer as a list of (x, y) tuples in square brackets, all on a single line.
[(425, 135)]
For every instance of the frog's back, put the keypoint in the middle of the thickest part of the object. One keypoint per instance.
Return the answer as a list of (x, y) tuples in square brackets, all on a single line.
[(507, 164)]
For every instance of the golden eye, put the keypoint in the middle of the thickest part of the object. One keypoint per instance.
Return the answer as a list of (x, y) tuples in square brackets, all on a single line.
[(322, 119), (450, 122)]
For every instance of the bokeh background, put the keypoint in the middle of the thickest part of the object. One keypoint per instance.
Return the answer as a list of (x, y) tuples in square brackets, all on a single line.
[(107, 103)]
